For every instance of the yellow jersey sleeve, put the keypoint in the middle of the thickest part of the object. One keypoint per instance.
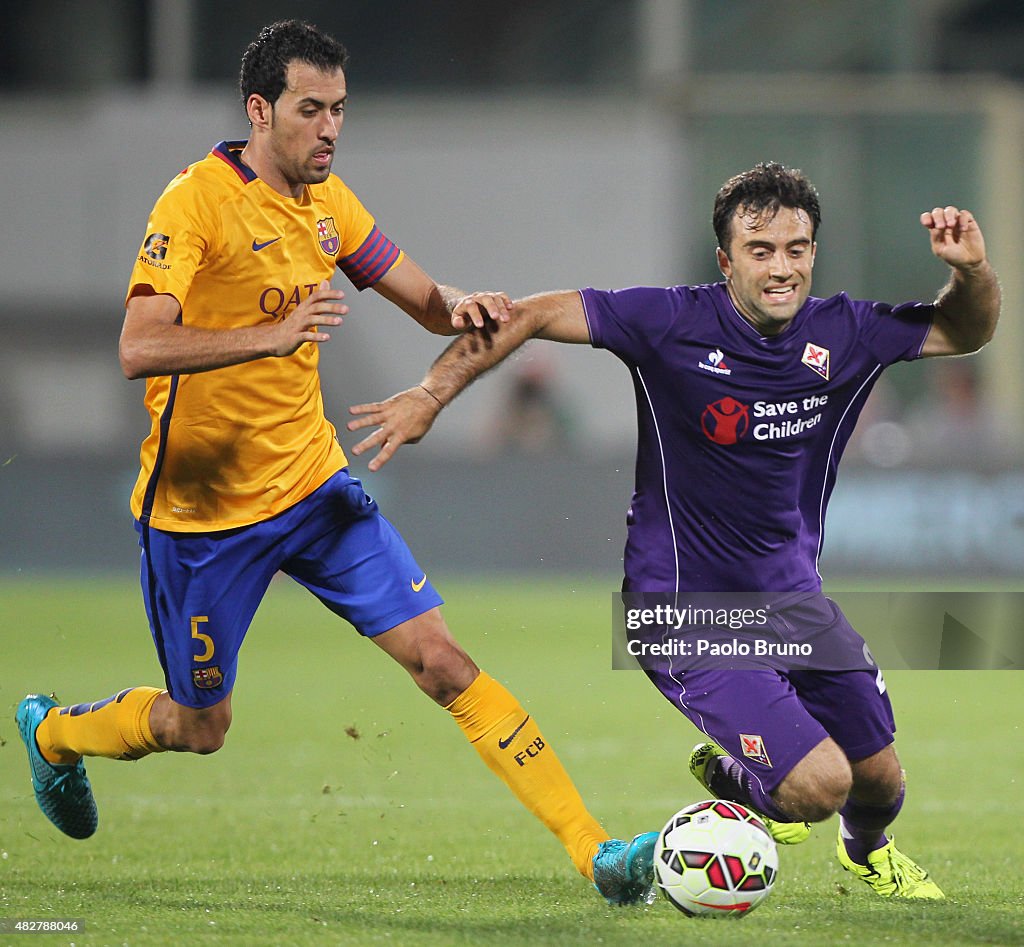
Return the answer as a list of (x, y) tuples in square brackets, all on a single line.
[(367, 254), (177, 239)]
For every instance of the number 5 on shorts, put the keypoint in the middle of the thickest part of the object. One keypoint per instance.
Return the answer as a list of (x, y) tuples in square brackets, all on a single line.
[(205, 639)]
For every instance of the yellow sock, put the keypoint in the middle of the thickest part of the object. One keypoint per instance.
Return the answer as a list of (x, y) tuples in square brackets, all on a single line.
[(117, 727), (512, 745)]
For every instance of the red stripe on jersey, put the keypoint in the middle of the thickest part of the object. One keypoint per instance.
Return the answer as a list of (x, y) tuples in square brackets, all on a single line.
[(375, 256)]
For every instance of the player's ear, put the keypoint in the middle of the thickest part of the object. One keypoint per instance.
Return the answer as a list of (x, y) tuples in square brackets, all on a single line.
[(260, 111), (724, 263)]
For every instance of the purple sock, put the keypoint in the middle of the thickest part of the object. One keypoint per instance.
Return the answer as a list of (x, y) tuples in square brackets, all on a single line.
[(730, 781), (863, 827)]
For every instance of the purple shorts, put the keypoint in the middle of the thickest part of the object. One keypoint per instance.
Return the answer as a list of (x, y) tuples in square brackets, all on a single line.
[(769, 720)]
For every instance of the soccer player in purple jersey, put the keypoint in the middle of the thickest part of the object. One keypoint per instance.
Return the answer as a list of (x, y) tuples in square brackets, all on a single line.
[(749, 390)]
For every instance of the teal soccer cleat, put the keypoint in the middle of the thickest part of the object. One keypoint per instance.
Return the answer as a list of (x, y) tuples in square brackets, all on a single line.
[(624, 871), (63, 792)]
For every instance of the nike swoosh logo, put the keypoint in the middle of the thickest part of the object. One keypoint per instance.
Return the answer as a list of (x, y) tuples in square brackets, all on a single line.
[(257, 246), (416, 586), (504, 743)]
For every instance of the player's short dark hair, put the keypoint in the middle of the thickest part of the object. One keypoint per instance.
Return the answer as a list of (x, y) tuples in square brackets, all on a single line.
[(265, 60), (760, 192)]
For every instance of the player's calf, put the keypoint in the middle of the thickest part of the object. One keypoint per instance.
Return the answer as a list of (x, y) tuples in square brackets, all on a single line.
[(184, 729)]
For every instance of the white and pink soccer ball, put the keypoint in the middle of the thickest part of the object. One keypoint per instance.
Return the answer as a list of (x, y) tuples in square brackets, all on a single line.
[(715, 858)]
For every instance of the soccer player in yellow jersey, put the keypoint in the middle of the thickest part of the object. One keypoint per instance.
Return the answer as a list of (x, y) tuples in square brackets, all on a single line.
[(242, 475)]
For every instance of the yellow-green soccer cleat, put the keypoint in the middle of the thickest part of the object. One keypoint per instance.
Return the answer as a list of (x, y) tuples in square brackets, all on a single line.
[(704, 755), (624, 871), (891, 874), (63, 792)]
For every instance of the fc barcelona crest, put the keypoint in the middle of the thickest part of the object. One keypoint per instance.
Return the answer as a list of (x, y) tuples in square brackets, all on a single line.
[(207, 677), (327, 234)]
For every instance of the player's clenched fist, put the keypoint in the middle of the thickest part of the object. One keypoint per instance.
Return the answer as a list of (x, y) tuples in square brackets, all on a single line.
[(955, 236)]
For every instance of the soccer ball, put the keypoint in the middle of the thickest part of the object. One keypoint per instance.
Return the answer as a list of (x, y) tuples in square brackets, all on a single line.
[(715, 858)]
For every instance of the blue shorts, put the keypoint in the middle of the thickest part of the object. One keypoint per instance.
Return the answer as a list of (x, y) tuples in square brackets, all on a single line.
[(770, 719), (202, 589)]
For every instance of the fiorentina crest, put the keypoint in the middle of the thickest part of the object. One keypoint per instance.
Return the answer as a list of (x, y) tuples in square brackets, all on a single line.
[(753, 748), (816, 359), (327, 234)]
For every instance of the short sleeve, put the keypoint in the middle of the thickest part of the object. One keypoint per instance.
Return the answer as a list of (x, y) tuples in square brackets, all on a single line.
[(894, 333), (176, 240), (630, 322)]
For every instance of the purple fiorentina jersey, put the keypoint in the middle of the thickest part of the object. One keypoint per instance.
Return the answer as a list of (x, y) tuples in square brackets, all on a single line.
[(739, 435)]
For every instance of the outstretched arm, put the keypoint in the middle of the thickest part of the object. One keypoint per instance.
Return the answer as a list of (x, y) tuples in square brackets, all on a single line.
[(404, 418), (967, 308), (432, 304)]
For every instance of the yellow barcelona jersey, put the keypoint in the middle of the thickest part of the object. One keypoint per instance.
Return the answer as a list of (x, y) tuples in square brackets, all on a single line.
[(240, 444)]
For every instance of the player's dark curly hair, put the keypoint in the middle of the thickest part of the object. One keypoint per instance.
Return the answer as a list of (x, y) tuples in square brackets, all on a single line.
[(265, 61), (760, 192)]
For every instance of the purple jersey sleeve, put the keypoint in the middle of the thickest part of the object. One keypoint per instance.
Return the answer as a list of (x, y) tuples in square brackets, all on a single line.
[(893, 333), (632, 322)]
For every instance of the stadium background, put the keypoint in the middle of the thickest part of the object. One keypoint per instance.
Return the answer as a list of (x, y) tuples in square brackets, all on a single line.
[(525, 146)]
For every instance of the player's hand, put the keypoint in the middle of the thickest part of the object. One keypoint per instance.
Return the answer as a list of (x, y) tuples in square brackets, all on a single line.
[(477, 308), (303, 324), (955, 236), (402, 419)]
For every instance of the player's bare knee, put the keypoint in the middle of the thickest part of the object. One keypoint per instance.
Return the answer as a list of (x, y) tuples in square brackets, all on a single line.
[(426, 649), (191, 730), (881, 791), (205, 743), (878, 780), (445, 673), (202, 739), (209, 743), (818, 786), (440, 668), (829, 797), (814, 803)]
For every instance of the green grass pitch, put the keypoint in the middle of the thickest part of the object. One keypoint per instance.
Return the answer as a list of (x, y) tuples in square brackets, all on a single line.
[(347, 809)]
